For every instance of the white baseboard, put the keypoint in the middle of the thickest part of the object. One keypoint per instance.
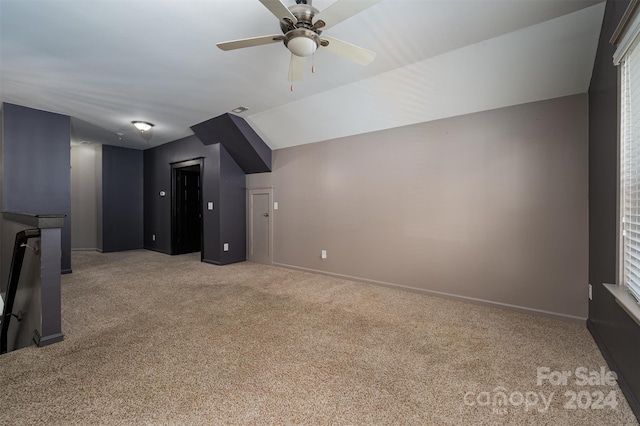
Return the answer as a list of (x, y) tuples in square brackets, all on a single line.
[(523, 309)]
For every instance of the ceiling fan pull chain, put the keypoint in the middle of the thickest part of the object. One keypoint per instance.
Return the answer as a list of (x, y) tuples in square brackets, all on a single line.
[(291, 76), (313, 63)]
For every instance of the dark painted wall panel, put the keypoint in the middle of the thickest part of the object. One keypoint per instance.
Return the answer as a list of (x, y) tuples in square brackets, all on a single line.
[(239, 139), (1, 163), (261, 149), (211, 228), (617, 334), (122, 199), (223, 183), (233, 209), (157, 178), (37, 166)]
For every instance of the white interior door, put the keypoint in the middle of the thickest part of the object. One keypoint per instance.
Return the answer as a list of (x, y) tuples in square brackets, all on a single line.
[(260, 226)]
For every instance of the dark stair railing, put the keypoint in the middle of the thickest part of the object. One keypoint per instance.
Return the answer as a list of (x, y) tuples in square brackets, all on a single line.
[(19, 248)]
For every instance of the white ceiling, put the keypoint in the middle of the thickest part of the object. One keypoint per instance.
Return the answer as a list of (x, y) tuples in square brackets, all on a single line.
[(107, 62)]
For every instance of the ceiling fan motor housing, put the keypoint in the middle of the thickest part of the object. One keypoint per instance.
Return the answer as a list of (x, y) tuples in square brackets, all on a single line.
[(304, 13), (301, 38)]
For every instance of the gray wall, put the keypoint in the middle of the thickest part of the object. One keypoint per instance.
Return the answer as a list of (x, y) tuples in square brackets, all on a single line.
[(122, 199), (84, 196), (489, 206), (36, 166), (615, 332)]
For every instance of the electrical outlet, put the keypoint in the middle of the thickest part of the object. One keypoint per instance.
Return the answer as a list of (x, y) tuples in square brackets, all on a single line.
[(225, 247), (590, 292), (323, 254), (153, 237)]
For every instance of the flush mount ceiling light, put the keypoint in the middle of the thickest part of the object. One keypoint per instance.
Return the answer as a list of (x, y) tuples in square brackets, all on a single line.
[(143, 126), (240, 109)]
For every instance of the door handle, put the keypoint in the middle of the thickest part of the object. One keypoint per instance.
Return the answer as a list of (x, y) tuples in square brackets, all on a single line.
[(266, 215)]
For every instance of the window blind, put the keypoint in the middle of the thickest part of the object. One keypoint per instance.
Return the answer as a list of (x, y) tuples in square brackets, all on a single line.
[(630, 167)]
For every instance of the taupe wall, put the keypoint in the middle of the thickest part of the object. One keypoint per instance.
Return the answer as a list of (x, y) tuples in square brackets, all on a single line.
[(84, 196), (490, 206)]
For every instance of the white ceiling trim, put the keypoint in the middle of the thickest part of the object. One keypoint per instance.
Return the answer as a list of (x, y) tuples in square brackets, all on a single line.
[(547, 60)]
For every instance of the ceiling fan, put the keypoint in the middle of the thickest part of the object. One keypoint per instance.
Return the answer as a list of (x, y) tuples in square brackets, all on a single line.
[(302, 26)]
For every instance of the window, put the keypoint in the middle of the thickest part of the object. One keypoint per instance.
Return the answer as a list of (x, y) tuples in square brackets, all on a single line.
[(627, 57), (630, 169)]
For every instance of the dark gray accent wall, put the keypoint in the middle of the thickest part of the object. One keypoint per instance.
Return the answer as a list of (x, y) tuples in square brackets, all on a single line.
[(122, 199), (233, 212), (239, 139), (615, 332), (37, 166), (157, 178), (157, 208), (490, 206), (1, 172), (99, 204)]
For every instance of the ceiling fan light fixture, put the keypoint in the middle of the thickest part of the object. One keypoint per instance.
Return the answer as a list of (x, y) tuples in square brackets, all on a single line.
[(301, 42), (143, 126), (302, 46)]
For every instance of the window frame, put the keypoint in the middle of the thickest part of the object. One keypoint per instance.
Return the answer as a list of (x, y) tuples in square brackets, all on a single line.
[(627, 38)]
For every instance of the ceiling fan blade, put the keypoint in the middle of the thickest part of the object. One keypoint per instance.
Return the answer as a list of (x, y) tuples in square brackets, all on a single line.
[(296, 67), (279, 10), (250, 42), (339, 11), (348, 51)]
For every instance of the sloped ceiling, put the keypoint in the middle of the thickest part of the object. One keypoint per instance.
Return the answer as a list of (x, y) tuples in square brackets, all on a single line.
[(106, 63)]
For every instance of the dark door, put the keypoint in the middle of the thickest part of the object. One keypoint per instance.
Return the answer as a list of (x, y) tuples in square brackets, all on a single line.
[(188, 210)]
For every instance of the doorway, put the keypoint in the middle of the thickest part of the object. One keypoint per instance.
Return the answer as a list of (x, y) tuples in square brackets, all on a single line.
[(260, 244), (186, 212)]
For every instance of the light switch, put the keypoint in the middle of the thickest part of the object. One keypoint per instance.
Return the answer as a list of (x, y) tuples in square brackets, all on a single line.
[(210, 205), (275, 205)]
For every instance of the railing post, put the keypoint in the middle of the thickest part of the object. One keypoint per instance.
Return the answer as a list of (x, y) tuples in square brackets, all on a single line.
[(38, 296), (51, 253)]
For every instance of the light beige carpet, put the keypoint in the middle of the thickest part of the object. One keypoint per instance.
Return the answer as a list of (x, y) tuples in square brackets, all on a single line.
[(154, 339)]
